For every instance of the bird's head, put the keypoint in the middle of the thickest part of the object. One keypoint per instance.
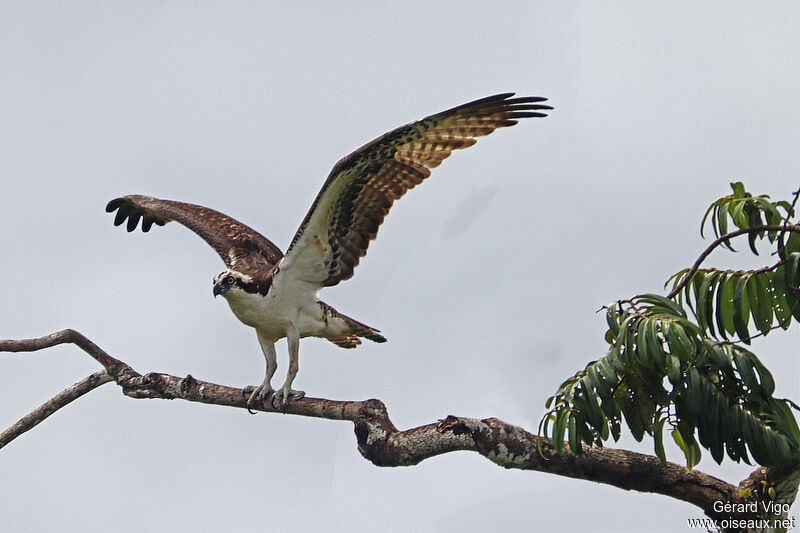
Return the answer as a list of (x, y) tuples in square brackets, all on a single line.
[(229, 280)]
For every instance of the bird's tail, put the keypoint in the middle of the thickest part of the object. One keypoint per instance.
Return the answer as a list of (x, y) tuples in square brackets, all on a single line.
[(350, 339)]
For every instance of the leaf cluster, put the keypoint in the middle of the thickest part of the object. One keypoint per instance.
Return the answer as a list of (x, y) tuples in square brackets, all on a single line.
[(680, 361), (745, 211), (727, 303)]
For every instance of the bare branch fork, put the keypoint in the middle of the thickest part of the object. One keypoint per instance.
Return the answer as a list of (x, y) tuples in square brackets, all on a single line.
[(384, 445)]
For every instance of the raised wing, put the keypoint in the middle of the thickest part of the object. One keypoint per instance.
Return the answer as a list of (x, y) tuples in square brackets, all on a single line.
[(362, 187), (242, 248)]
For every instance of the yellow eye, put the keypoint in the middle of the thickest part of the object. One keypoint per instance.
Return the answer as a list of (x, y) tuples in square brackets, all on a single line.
[(230, 280)]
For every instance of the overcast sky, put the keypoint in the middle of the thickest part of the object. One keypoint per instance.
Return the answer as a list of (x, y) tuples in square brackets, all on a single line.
[(486, 279)]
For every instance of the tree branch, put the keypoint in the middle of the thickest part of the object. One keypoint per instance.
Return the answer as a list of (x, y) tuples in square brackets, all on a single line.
[(383, 444), (753, 229), (116, 368), (52, 405)]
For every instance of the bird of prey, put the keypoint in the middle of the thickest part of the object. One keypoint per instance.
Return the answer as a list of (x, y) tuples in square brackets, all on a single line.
[(277, 294)]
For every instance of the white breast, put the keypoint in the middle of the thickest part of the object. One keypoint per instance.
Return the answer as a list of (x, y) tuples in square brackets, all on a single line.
[(285, 304)]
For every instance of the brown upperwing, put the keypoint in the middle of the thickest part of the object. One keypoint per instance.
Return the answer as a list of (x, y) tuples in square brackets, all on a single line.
[(241, 248)]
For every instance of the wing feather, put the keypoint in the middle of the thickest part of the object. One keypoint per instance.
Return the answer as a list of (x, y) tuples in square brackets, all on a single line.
[(241, 248), (362, 187)]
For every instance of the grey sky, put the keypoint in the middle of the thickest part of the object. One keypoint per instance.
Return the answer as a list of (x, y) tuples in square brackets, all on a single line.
[(485, 279)]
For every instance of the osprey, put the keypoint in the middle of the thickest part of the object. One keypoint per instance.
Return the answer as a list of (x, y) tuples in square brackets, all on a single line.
[(277, 294)]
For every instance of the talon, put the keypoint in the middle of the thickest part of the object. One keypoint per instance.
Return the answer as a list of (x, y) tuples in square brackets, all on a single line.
[(282, 396), (276, 395), (247, 391), (247, 395), (258, 395)]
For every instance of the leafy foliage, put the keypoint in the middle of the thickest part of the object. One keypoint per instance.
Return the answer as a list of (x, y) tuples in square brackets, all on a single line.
[(724, 302), (746, 211), (679, 360)]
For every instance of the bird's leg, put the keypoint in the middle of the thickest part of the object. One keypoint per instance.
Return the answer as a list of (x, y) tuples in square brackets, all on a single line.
[(284, 393), (263, 390)]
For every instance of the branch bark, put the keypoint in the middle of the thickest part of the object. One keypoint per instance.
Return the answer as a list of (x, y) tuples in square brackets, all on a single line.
[(383, 444)]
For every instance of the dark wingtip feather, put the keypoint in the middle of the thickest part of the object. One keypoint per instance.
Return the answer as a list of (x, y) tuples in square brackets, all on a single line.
[(500, 96), (526, 99), (525, 114), (133, 221), (120, 218), (114, 204)]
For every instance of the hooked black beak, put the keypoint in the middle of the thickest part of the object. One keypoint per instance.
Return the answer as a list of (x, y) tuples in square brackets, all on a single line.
[(220, 288)]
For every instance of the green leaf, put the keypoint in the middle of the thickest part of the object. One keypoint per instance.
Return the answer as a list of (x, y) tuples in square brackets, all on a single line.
[(574, 437), (602, 388), (738, 189), (710, 209), (678, 438), (614, 423), (737, 448), (604, 431), (783, 309), (694, 392), (697, 282), (793, 271), (679, 343), (612, 317), (720, 429), (784, 454), (757, 441), (722, 222), (765, 377), (745, 368), (658, 437), (658, 300), (622, 340), (762, 312), (655, 347), (737, 213), (704, 423), (630, 341), (747, 364), (642, 349), (704, 307), (585, 433), (558, 431), (789, 423), (786, 207), (695, 454), (792, 244), (725, 304), (593, 412), (722, 356), (724, 281), (610, 409), (631, 414), (607, 371), (673, 369), (741, 307), (753, 219), (773, 215), (690, 449)]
